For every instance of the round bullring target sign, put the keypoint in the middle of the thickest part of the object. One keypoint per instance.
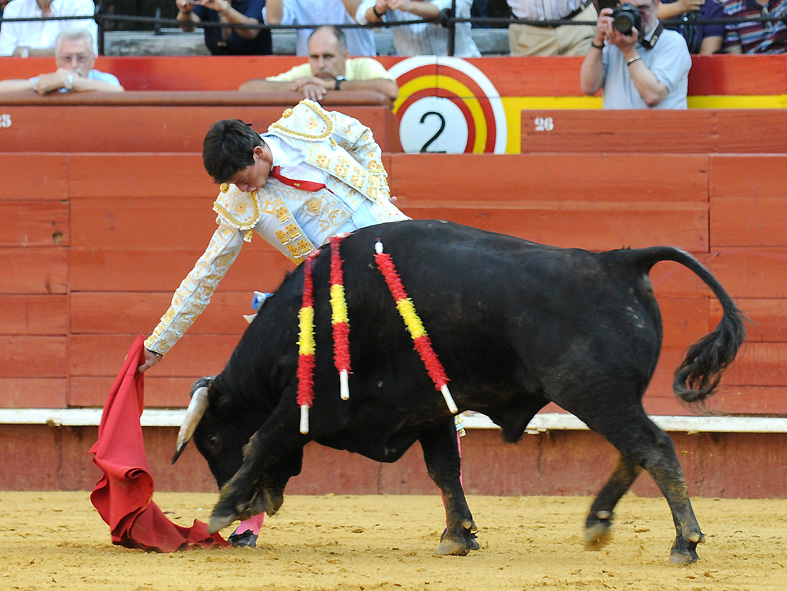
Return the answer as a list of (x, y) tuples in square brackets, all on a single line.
[(446, 105)]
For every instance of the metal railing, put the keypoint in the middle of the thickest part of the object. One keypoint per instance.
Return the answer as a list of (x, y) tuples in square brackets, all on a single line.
[(446, 20)]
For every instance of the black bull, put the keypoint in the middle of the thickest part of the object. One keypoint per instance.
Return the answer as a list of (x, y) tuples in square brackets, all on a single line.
[(516, 325)]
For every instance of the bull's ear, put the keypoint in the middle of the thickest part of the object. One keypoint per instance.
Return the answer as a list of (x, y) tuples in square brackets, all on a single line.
[(197, 408)]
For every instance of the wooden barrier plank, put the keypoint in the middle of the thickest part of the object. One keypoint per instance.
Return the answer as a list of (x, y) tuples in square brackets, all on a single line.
[(605, 131), (692, 131), (160, 392), (767, 318), (50, 172), (748, 221), (144, 223), (33, 314), (128, 123), (592, 228), (121, 175), (130, 313), (750, 400), (32, 392), (759, 364), (33, 270), (192, 357), (511, 76), (712, 76), (483, 178), (32, 356), (747, 176), (162, 271), (750, 272), (34, 223)]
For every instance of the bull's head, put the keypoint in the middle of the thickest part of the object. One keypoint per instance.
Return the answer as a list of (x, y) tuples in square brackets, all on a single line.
[(220, 426)]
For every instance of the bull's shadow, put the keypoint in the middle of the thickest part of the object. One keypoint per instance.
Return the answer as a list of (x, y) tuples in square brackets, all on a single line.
[(515, 324)]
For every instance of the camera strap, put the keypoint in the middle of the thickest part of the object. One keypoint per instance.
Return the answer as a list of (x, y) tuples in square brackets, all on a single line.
[(650, 43)]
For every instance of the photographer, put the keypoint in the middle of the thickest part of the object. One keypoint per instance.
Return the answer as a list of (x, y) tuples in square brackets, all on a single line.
[(636, 62)]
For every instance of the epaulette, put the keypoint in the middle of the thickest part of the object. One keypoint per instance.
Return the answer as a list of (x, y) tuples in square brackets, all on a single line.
[(306, 121), (238, 209)]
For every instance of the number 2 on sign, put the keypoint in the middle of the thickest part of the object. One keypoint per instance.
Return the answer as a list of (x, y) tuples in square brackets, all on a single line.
[(544, 123)]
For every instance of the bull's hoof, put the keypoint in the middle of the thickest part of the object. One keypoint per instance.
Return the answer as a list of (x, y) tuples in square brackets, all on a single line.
[(598, 530), (246, 539), (219, 522), (684, 551), (450, 547)]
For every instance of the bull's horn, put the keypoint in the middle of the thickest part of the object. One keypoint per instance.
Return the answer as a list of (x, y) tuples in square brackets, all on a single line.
[(197, 408)]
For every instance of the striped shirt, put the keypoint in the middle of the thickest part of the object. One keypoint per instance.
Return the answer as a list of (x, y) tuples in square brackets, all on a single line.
[(756, 37), (544, 10), (426, 38)]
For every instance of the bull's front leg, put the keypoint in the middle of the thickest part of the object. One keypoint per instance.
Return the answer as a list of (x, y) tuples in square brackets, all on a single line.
[(441, 453), (271, 457)]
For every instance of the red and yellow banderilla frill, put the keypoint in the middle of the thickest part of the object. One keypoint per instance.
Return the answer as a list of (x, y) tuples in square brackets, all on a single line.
[(339, 319), (306, 347), (414, 325)]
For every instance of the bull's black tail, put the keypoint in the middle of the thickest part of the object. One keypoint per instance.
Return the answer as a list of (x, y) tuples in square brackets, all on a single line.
[(698, 376)]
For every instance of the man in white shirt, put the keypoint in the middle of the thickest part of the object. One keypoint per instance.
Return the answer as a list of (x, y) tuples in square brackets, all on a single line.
[(319, 12), (329, 68), (421, 38), (37, 38), (543, 39)]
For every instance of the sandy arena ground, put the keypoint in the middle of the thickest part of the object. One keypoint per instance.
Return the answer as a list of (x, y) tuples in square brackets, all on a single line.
[(56, 540)]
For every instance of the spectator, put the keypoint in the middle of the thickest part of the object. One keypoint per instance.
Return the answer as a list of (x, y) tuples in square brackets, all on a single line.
[(422, 38), (637, 70), (227, 40), (37, 38), (320, 12), (546, 39), (329, 68), (756, 37), (701, 39), (75, 59)]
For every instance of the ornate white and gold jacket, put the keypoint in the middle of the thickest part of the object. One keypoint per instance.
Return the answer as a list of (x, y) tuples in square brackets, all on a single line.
[(294, 221)]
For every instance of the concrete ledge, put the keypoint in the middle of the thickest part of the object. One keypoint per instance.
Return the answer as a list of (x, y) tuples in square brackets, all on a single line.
[(172, 42), (90, 417)]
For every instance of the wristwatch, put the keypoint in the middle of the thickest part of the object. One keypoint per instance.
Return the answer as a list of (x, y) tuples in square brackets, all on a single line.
[(68, 83), (339, 80)]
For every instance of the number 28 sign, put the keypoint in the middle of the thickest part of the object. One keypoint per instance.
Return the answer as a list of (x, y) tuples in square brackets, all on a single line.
[(447, 106)]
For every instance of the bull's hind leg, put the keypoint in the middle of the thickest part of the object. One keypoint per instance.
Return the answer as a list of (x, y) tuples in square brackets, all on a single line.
[(441, 454), (598, 525), (644, 445)]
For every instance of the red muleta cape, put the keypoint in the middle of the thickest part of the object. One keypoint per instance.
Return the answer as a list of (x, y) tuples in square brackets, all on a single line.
[(123, 496)]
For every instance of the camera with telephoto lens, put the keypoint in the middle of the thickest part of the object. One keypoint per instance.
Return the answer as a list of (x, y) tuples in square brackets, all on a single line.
[(626, 17)]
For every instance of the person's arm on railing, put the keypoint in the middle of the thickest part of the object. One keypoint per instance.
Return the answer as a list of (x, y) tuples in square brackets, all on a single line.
[(673, 9), (186, 15), (274, 11), (369, 12)]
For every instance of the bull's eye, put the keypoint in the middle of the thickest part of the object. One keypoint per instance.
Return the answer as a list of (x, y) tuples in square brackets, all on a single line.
[(213, 443)]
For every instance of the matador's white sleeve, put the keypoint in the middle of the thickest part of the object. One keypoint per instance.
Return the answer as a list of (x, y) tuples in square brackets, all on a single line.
[(197, 288)]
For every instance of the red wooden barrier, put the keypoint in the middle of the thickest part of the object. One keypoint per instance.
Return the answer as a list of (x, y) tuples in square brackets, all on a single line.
[(696, 131), (131, 225), (511, 76), (163, 121)]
